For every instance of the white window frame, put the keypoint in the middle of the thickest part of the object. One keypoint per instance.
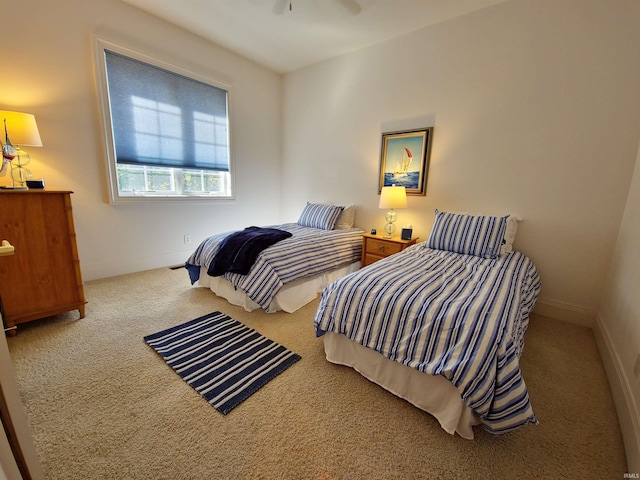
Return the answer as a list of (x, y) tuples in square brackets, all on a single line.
[(115, 196)]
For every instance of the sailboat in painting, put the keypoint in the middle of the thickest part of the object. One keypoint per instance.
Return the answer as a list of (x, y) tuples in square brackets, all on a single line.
[(402, 165), (402, 172)]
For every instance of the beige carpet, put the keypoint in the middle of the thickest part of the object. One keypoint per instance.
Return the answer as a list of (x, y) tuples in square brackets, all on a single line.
[(103, 405)]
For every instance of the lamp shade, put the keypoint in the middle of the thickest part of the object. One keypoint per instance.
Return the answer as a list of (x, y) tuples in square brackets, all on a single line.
[(21, 128), (393, 197)]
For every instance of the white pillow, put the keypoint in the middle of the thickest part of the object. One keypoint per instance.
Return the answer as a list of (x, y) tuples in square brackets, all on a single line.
[(346, 218), (509, 235)]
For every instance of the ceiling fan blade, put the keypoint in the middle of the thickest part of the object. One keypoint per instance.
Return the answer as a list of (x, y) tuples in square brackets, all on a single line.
[(279, 6), (352, 5)]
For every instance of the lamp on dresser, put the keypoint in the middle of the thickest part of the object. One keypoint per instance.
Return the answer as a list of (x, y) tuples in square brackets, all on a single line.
[(391, 198), (20, 130)]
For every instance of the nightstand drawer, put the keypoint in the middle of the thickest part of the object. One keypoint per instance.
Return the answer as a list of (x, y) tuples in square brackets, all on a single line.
[(368, 259), (382, 248), (376, 248)]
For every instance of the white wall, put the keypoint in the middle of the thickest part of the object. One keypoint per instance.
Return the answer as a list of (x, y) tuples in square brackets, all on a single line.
[(536, 113), (618, 327), (536, 110), (534, 105), (48, 71)]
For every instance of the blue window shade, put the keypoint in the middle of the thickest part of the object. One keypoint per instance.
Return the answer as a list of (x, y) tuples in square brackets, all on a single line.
[(164, 119)]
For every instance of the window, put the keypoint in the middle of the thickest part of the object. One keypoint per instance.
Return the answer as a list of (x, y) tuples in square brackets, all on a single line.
[(167, 129)]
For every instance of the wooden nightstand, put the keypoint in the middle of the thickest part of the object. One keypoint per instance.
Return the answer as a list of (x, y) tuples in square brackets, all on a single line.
[(375, 247)]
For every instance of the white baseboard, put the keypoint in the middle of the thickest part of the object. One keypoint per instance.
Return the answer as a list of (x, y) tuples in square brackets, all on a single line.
[(565, 312), (94, 271), (626, 404)]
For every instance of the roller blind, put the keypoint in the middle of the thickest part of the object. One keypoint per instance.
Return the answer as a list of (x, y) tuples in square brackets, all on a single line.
[(161, 118)]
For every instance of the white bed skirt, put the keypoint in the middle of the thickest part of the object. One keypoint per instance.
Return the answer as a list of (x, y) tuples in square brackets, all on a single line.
[(433, 394), (290, 298)]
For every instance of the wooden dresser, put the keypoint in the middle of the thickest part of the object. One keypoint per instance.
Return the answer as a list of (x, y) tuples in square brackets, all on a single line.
[(375, 247), (43, 277)]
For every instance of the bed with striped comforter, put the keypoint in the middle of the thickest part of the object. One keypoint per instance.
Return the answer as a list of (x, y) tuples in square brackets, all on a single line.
[(443, 313), (308, 252)]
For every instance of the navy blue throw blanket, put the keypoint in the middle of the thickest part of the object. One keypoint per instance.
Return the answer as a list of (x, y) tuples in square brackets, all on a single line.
[(238, 252)]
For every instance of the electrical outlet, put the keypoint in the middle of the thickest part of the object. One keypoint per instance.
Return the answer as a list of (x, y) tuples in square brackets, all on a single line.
[(636, 367), (187, 239)]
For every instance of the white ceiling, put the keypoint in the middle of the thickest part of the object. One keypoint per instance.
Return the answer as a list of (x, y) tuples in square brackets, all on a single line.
[(284, 39)]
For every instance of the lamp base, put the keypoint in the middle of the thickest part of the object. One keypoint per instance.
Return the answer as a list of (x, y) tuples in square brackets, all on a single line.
[(389, 227), (8, 187), (389, 230)]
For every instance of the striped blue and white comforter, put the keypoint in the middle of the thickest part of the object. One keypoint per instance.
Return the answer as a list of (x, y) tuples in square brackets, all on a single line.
[(309, 252), (443, 313)]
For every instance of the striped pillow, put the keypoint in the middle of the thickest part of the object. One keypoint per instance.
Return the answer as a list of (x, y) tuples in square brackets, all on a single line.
[(468, 234), (318, 215)]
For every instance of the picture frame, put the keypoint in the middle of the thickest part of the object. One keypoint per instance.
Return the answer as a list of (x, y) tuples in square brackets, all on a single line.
[(404, 160)]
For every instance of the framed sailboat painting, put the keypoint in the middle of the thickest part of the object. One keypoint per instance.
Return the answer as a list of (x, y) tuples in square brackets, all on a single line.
[(404, 160)]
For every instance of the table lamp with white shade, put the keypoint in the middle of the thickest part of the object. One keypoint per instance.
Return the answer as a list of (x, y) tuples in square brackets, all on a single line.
[(391, 198), (20, 129)]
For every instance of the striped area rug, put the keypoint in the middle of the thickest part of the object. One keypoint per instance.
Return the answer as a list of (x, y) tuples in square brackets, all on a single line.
[(222, 359)]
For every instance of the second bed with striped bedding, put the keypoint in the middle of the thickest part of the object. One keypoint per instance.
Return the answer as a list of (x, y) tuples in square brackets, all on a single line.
[(443, 313), (309, 252)]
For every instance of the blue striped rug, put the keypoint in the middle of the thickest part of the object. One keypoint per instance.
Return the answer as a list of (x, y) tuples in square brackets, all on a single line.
[(223, 360)]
